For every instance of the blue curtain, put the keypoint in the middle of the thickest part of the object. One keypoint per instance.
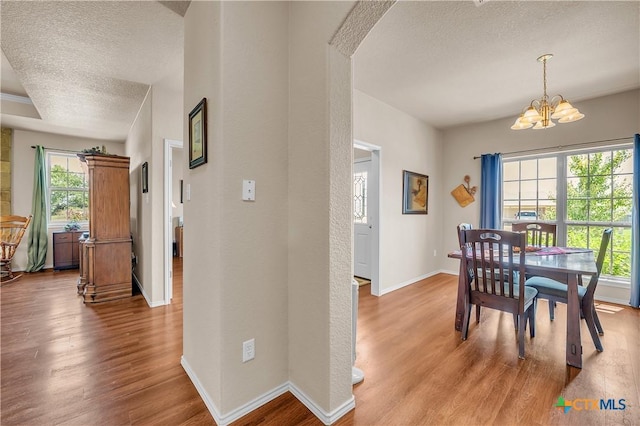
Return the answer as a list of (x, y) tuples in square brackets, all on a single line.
[(635, 227), (491, 191), (38, 239)]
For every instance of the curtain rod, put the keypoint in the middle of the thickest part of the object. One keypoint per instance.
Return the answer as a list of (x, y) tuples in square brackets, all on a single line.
[(57, 149), (560, 147)]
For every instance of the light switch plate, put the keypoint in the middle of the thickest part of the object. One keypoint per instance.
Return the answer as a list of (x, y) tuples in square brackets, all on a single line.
[(249, 190)]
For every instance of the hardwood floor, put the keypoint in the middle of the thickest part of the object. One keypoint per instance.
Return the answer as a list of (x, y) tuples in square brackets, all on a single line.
[(119, 363), (418, 371), (112, 363)]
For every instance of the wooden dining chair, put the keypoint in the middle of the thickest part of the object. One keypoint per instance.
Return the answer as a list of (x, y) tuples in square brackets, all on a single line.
[(555, 291), (11, 231), (497, 278), (538, 234), (461, 228)]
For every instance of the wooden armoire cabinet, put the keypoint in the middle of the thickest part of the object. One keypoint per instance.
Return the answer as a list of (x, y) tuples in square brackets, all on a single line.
[(105, 256)]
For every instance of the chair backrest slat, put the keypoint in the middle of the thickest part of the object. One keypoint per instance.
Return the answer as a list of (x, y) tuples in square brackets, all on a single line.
[(537, 233), (602, 253), (490, 257), (12, 229), (464, 246)]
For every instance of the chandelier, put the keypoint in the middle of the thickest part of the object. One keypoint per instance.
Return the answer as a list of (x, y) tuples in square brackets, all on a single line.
[(541, 111)]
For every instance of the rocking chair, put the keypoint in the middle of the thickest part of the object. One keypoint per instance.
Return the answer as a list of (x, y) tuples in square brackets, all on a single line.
[(11, 231)]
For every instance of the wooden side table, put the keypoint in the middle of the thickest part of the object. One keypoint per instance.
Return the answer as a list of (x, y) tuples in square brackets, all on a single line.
[(65, 249)]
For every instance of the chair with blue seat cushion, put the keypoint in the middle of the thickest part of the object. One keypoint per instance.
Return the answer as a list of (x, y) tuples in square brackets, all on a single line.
[(538, 234), (496, 278), (555, 291)]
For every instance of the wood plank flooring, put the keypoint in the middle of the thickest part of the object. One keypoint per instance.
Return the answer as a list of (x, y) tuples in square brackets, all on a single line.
[(114, 363), (419, 372), (118, 363)]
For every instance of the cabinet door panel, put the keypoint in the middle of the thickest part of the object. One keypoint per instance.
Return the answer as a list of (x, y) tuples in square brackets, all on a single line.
[(62, 257)]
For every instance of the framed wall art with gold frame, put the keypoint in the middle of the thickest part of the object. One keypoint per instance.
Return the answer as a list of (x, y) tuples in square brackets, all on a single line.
[(415, 193)]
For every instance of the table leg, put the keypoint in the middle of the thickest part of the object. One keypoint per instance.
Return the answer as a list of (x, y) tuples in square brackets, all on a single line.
[(574, 344), (461, 297)]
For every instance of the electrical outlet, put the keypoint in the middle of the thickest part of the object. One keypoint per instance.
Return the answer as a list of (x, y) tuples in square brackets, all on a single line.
[(435, 252), (248, 350)]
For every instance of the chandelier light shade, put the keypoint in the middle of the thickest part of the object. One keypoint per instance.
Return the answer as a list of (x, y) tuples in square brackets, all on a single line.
[(540, 112)]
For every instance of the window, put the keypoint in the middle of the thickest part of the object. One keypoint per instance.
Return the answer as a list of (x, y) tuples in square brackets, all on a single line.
[(583, 192), (68, 198), (530, 189), (360, 197)]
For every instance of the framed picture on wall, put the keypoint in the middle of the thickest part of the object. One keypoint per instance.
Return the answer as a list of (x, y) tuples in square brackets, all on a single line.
[(415, 193), (198, 135), (145, 177)]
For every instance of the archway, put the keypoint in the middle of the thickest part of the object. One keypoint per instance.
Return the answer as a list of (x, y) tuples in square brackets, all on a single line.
[(361, 19)]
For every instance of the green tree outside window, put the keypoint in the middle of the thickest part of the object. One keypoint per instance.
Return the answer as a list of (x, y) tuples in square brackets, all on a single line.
[(68, 191), (598, 195)]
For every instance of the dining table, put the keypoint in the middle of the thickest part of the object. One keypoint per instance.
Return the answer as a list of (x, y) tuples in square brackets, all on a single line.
[(562, 264)]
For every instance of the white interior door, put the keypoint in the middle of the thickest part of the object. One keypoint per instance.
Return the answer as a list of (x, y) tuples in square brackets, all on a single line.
[(169, 146), (361, 220)]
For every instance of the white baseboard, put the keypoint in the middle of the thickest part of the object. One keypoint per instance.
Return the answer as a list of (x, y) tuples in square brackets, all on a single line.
[(232, 416), (254, 404), (326, 418), (202, 392), (611, 300), (409, 282), (145, 295)]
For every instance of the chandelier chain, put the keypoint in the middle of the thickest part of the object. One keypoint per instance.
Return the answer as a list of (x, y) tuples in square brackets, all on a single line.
[(544, 78)]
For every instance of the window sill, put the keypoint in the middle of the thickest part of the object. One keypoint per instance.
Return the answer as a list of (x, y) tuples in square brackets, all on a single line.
[(58, 227), (614, 282)]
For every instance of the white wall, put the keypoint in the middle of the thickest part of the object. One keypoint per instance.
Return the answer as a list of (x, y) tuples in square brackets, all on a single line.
[(320, 213), (159, 118), (139, 149), (202, 289), (23, 157), (254, 139), (235, 259), (407, 242), (167, 123), (277, 269)]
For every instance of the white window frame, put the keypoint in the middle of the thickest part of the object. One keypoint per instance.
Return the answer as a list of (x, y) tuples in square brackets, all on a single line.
[(561, 198), (60, 223)]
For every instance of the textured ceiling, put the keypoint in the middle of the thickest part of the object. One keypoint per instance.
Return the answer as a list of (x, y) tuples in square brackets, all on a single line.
[(89, 65), (451, 62)]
